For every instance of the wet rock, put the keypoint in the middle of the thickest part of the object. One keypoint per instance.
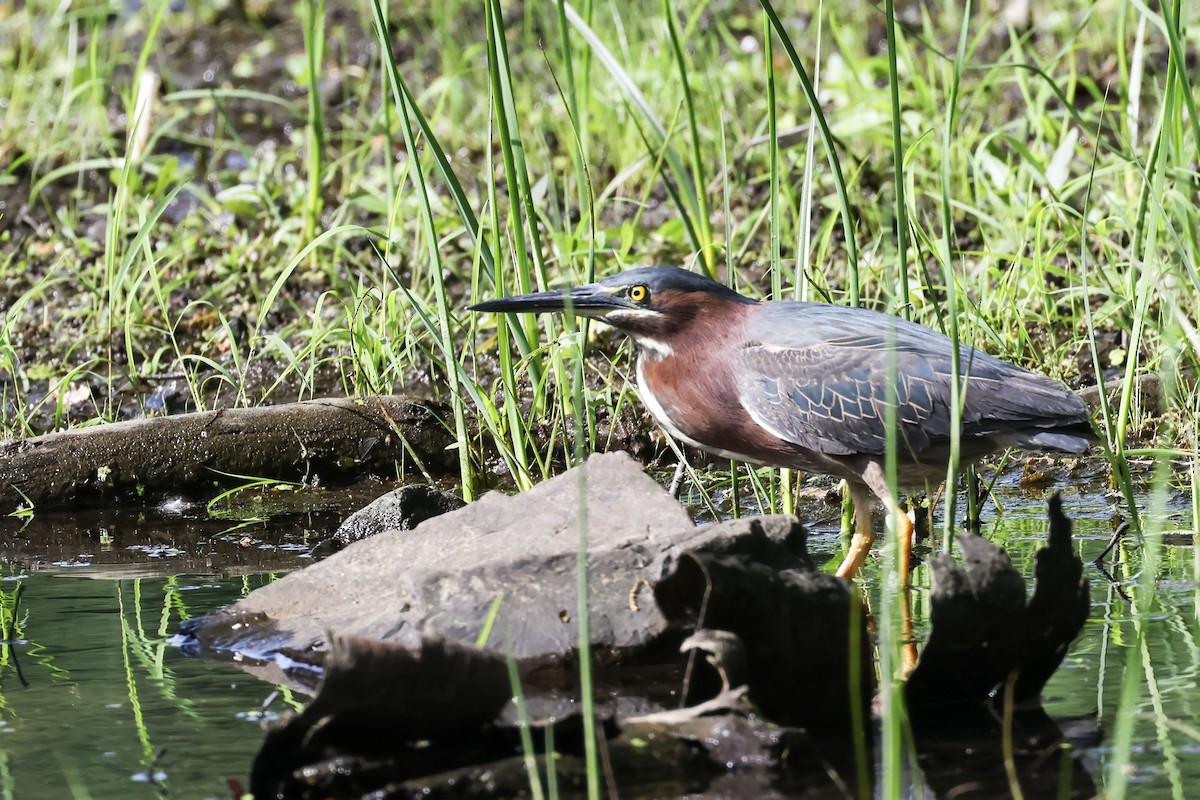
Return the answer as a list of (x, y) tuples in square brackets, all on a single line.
[(778, 541), (730, 749), (347, 744), (982, 631), (443, 577), (800, 631), (375, 700), (401, 510)]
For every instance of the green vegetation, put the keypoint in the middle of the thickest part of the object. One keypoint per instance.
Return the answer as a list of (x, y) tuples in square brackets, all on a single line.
[(254, 241), (232, 203)]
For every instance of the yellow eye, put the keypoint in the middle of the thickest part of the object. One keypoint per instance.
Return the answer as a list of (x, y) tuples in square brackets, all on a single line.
[(639, 294)]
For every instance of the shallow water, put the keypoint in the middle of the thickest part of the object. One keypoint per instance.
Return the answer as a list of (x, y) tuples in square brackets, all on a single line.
[(96, 701), (1086, 689)]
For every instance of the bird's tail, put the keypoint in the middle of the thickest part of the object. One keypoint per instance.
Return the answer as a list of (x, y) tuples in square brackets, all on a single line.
[(1068, 439)]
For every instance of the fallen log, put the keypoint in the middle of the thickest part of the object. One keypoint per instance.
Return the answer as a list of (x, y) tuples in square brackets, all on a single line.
[(332, 439)]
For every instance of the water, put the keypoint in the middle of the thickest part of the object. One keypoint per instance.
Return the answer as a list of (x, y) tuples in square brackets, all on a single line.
[(95, 701), (1087, 687)]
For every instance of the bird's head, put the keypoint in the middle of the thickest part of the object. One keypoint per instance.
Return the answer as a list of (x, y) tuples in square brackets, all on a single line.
[(651, 304)]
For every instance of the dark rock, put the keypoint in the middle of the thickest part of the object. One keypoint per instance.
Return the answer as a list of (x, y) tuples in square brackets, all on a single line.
[(982, 631), (776, 540), (722, 747), (801, 631), (400, 510), (378, 698)]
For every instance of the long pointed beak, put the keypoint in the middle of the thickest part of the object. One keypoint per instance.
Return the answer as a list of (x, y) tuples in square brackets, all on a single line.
[(585, 301)]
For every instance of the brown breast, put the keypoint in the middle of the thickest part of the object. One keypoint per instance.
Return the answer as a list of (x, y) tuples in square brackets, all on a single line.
[(691, 392)]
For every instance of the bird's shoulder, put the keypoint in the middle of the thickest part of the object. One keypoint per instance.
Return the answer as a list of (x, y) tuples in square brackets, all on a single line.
[(822, 327)]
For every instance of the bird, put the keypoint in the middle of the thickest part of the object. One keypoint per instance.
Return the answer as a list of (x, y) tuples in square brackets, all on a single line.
[(807, 386)]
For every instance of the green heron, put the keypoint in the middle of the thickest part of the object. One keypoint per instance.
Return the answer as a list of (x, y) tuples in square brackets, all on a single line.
[(805, 385)]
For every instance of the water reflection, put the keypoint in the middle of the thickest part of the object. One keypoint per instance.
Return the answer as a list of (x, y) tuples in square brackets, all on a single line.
[(95, 702), (976, 754)]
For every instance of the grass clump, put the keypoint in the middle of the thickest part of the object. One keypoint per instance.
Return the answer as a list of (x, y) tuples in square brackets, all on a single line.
[(1029, 199)]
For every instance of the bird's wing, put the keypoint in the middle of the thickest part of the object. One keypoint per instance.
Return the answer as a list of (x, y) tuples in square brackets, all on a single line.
[(817, 375)]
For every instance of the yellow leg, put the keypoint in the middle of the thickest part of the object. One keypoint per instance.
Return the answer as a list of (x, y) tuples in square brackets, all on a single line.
[(875, 480), (904, 536), (864, 534), (908, 650), (874, 477)]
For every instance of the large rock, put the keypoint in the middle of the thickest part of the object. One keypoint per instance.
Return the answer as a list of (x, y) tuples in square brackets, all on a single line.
[(444, 577)]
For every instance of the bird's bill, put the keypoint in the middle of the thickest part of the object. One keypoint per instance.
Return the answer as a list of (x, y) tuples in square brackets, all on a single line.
[(584, 301)]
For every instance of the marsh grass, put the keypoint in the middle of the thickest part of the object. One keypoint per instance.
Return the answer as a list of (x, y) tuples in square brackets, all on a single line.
[(1025, 185)]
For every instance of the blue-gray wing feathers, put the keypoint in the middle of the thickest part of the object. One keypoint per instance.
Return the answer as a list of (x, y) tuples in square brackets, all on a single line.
[(823, 385)]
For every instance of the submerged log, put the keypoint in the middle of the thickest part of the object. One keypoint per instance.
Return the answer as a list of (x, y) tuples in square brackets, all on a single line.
[(982, 632), (328, 439)]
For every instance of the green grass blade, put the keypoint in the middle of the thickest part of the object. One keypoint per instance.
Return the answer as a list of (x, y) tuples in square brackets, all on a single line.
[(898, 161), (839, 181), (700, 210), (688, 200), (957, 393)]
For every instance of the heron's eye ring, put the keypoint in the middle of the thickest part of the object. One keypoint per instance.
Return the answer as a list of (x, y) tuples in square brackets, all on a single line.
[(639, 294)]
